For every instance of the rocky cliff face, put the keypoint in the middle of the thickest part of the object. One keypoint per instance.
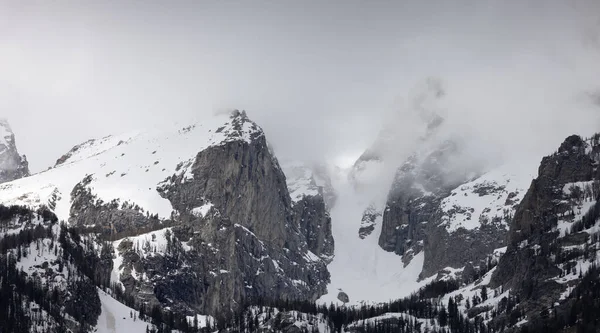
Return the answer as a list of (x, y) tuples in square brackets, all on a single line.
[(412, 214), (235, 236), (311, 215), (421, 212), (312, 197), (12, 165), (371, 216), (415, 194), (553, 235), (113, 218), (454, 212), (200, 218)]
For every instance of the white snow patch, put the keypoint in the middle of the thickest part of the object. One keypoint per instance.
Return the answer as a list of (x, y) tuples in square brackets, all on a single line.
[(451, 273), (426, 325), (521, 322), (147, 245), (474, 289), (202, 210), (580, 209), (34, 255), (300, 180), (202, 320), (468, 209), (116, 317), (311, 257)]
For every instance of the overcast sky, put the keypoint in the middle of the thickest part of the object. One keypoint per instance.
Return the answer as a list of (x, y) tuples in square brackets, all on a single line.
[(321, 77)]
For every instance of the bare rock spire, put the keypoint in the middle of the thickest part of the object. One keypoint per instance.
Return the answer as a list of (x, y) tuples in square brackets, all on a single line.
[(12, 165)]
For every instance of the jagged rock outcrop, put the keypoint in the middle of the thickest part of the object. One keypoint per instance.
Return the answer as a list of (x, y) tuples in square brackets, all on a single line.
[(416, 216), (113, 218), (436, 205), (460, 248), (243, 180), (12, 165), (370, 218), (413, 204), (312, 197), (73, 150), (228, 234), (315, 225), (552, 235), (235, 238), (410, 205)]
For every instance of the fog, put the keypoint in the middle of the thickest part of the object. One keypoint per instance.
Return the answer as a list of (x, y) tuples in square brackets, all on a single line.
[(322, 78)]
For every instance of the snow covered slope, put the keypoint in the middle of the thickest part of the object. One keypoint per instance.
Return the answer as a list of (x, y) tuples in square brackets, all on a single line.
[(306, 180), (360, 268), (492, 196), (118, 318), (128, 167), (300, 180), (364, 271)]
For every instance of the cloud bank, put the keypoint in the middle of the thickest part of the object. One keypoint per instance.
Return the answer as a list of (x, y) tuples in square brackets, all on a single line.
[(322, 79)]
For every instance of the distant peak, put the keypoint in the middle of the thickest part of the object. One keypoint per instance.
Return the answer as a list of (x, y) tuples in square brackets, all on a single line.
[(240, 128), (12, 165), (5, 124), (6, 133), (235, 113), (572, 142)]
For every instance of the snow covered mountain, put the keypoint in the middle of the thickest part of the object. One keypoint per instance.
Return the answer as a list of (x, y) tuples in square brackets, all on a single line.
[(12, 165), (127, 167), (194, 227), (434, 223), (419, 214), (198, 219)]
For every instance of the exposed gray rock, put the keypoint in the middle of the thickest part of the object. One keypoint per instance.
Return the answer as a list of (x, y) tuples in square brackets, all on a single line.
[(247, 243), (544, 255), (12, 165), (244, 181), (460, 248), (113, 218), (233, 239), (414, 199), (308, 189), (414, 221), (315, 225), (368, 221), (73, 150)]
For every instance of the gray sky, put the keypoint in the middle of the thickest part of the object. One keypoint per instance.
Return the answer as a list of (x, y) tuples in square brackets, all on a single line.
[(321, 77)]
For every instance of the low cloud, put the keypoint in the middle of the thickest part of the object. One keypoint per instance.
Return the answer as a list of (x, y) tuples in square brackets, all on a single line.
[(322, 79)]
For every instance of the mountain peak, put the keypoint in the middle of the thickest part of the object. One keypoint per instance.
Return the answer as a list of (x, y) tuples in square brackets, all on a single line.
[(240, 127), (12, 165), (128, 167), (6, 133)]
